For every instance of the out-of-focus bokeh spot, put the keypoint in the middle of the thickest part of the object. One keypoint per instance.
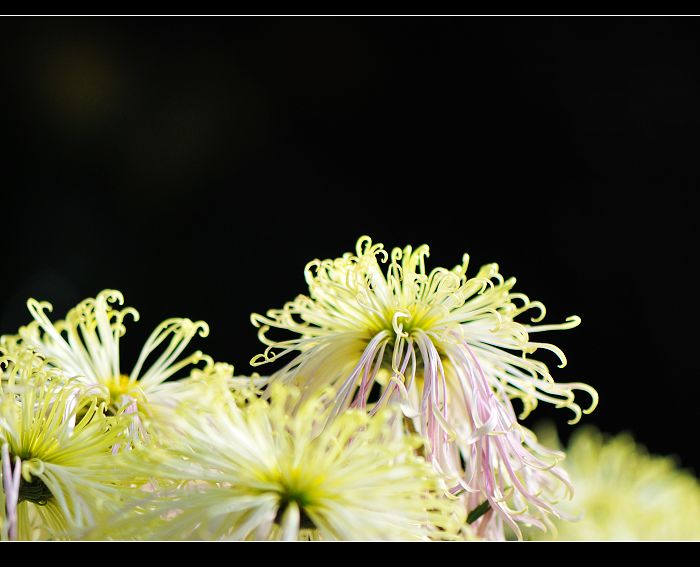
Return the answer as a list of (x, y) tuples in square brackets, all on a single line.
[(80, 83)]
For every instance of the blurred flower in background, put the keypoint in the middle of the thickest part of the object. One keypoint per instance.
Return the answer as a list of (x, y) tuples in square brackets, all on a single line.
[(624, 493)]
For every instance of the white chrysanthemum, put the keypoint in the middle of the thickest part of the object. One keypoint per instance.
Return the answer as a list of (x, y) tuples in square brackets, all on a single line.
[(86, 345), (456, 358), (58, 474), (625, 494), (265, 472)]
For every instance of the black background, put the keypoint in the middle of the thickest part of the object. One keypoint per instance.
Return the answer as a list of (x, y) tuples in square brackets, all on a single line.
[(198, 164)]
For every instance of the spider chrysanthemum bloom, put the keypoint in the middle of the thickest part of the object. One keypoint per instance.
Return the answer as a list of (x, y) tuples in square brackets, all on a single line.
[(624, 493), (57, 473), (86, 345), (455, 358), (264, 472)]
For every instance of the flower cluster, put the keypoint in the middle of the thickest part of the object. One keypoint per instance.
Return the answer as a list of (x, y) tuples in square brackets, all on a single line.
[(87, 448), (394, 416)]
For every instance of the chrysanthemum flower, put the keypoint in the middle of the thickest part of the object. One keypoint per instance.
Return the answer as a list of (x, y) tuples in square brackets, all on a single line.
[(625, 494), (456, 358), (57, 474), (265, 472), (86, 345)]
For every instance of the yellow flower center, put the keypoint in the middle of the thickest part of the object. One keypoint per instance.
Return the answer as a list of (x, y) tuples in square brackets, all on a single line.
[(409, 319), (119, 386)]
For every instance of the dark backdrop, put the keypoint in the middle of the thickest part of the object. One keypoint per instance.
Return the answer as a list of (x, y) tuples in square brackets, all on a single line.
[(198, 164)]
